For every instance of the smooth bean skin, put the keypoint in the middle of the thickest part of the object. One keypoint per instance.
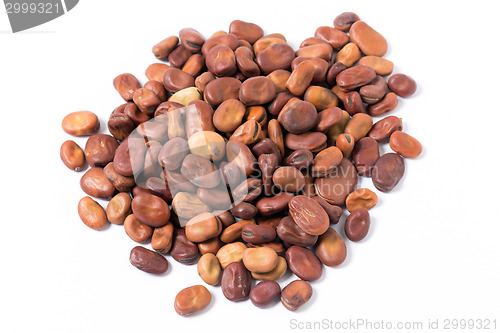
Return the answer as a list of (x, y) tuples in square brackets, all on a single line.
[(232, 252), (275, 274), (288, 179), (320, 67), (380, 65), (192, 300), (328, 118), (357, 224), (92, 214), (175, 80), (325, 161), (388, 171), (229, 115), (118, 208), (374, 91), (288, 231), (260, 259), (386, 104), (233, 232), (207, 144), (250, 32), (355, 77), (210, 246), (300, 78), (221, 61), (348, 55), (331, 249), (359, 126), (236, 282), (183, 250), (300, 159), (120, 126), (72, 155), (80, 123), (296, 294), (258, 234), (187, 205), (353, 103), (223, 38), (191, 39), (221, 89), (267, 164), (203, 227), (209, 269), (273, 205), (200, 171), (383, 129), (338, 184), (148, 261), (179, 56), (155, 71), (345, 142), (240, 155), (257, 90), (405, 145), (136, 230), (100, 149), (146, 100), (164, 47), (126, 84), (277, 56), (202, 80), (403, 85), (279, 78), (361, 198), (173, 153), (244, 210), (266, 146), (304, 263), (334, 212), (313, 141), (161, 240), (247, 133), (265, 293), (95, 183), (309, 215), (344, 21), (217, 198), (369, 41), (364, 155), (151, 210), (334, 70)]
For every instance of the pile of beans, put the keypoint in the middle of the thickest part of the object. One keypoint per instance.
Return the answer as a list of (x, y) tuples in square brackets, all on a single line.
[(240, 154)]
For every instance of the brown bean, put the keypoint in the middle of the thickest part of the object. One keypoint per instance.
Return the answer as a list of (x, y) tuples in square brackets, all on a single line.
[(348, 55), (320, 65), (95, 184), (136, 230), (257, 90), (334, 212), (92, 214), (335, 131), (359, 125), (200, 171), (355, 77), (309, 215), (304, 263), (250, 32), (296, 294), (369, 41), (276, 56), (230, 253), (299, 118), (234, 231), (229, 115), (80, 123), (403, 85), (333, 36), (221, 61), (338, 184), (388, 103), (325, 161), (137, 116), (231, 174), (183, 250), (72, 155), (289, 231), (209, 269), (273, 205), (265, 293), (203, 227), (100, 149), (276, 135), (331, 249), (279, 78), (240, 155), (314, 141), (372, 93), (173, 153), (331, 76), (175, 80), (383, 129), (191, 39), (148, 261), (161, 241), (258, 234), (146, 100), (192, 300), (260, 259), (210, 246), (245, 61), (158, 88), (236, 282), (267, 164), (217, 198), (248, 190), (388, 171), (300, 159), (266, 146), (344, 21), (203, 79), (345, 142), (301, 77), (155, 71), (267, 41), (120, 126), (163, 48), (353, 103), (364, 155), (247, 133), (380, 65), (151, 210), (357, 225), (119, 207), (322, 98), (323, 51), (405, 145), (226, 39), (121, 183), (207, 144), (179, 56), (361, 198), (199, 116), (187, 205), (219, 90), (288, 179), (126, 84)]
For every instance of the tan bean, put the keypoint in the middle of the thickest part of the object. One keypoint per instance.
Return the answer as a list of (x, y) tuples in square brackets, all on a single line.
[(260, 259), (325, 161), (275, 274), (119, 207), (337, 130), (361, 198), (323, 51), (186, 96), (163, 48), (331, 249), (95, 183), (279, 78), (187, 205), (348, 55), (233, 232), (370, 42), (359, 125), (296, 294), (72, 155), (80, 123), (322, 98), (345, 142), (300, 78), (229, 253), (161, 240), (247, 133), (155, 71), (209, 269), (405, 145), (126, 84), (203, 227), (192, 300), (210, 246), (136, 230), (380, 65), (207, 144), (92, 214)]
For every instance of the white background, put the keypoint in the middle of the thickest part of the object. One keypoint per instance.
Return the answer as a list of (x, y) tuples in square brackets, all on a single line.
[(432, 252)]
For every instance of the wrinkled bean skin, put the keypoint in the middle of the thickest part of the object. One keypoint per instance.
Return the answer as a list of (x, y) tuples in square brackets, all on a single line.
[(221, 61), (203, 79), (299, 118), (325, 161), (267, 164), (219, 90), (126, 84), (309, 215), (200, 171), (353, 103), (331, 249), (236, 282), (191, 39), (192, 300), (146, 100), (257, 91), (372, 93), (250, 32), (72, 155), (388, 171), (151, 210), (228, 40), (405, 145), (100, 149), (345, 142), (300, 78), (334, 212), (348, 55), (258, 234), (229, 253), (240, 155), (388, 103), (118, 208), (300, 159), (364, 155), (344, 21), (245, 61), (273, 205), (135, 115), (313, 141), (163, 48), (188, 205), (95, 183), (334, 37), (288, 179), (148, 261), (361, 198), (380, 65), (359, 125), (161, 241), (334, 70), (277, 56), (209, 269), (207, 144), (173, 153), (121, 183), (175, 80), (92, 214), (403, 85), (357, 225), (136, 230), (260, 259), (327, 119), (355, 77), (183, 250), (80, 123), (383, 129), (120, 126), (289, 231), (296, 294), (304, 263), (335, 188), (279, 78), (370, 42), (265, 293)]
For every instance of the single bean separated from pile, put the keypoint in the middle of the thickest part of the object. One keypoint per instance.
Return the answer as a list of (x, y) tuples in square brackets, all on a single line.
[(244, 151)]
